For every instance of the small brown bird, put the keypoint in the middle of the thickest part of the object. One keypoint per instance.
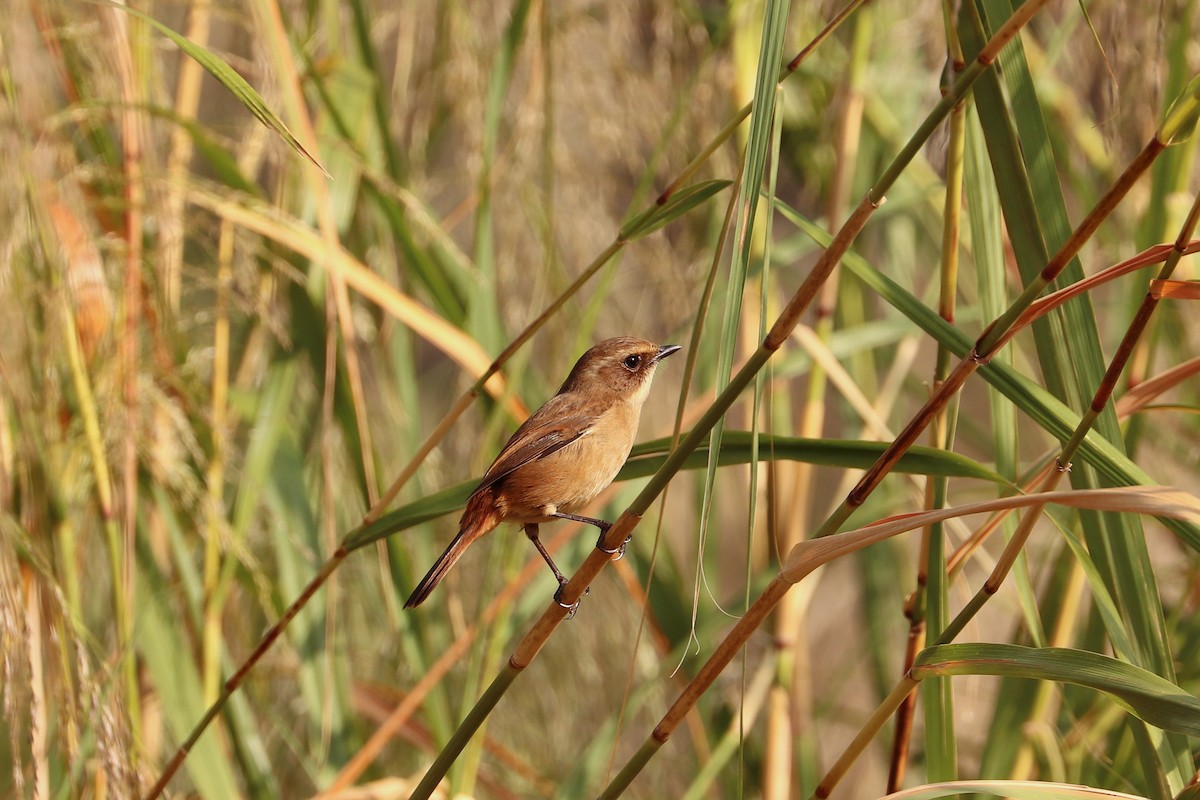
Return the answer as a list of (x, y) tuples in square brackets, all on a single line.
[(563, 455)]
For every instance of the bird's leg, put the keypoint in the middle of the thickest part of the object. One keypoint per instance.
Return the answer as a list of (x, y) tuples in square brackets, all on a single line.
[(619, 551), (531, 530)]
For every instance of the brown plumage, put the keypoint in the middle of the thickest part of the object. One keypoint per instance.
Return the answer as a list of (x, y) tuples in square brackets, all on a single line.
[(563, 455)]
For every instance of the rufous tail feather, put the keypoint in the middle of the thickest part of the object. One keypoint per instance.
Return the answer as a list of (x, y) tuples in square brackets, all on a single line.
[(479, 518)]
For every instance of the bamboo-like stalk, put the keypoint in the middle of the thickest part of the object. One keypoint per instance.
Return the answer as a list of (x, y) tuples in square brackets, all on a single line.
[(187, 100), (926, 608), (791, 701), (210, 674), (124, 576)]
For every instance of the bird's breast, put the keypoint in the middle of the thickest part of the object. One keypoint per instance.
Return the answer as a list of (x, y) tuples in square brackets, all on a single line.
[(570, 478)]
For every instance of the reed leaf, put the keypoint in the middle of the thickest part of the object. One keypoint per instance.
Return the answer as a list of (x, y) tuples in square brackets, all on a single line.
[(1143, 693)]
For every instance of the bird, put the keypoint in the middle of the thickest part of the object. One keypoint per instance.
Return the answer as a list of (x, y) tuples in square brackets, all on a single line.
[(563, 455)]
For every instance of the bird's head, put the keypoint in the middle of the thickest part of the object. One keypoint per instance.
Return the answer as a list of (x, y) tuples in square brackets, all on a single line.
[(623, 365)]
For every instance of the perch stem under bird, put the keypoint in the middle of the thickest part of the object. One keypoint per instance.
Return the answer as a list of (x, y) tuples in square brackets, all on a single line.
[(564, 455)]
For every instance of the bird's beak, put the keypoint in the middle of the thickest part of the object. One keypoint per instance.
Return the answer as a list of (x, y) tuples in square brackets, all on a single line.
[(664, 351)]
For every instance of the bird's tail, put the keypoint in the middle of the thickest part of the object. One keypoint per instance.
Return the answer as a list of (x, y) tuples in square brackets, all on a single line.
[(479, 518)]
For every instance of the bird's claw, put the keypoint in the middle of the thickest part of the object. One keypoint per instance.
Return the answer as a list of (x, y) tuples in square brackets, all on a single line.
[(618, 551), (570, 607)]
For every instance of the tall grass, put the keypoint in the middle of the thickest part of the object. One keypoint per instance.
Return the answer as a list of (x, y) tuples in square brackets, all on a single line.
[(245, 392)]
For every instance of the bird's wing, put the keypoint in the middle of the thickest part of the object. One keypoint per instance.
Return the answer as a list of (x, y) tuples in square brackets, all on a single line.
[(555, 425)]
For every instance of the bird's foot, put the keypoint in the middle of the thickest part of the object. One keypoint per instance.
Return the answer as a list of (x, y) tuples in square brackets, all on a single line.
[(618, 551), (570, 607)]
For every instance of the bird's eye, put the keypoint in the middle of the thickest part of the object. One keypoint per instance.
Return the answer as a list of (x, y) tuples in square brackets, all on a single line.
[(632, 362)]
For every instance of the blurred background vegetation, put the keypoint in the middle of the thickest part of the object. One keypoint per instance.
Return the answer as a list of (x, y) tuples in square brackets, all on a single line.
[(215, 360)]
